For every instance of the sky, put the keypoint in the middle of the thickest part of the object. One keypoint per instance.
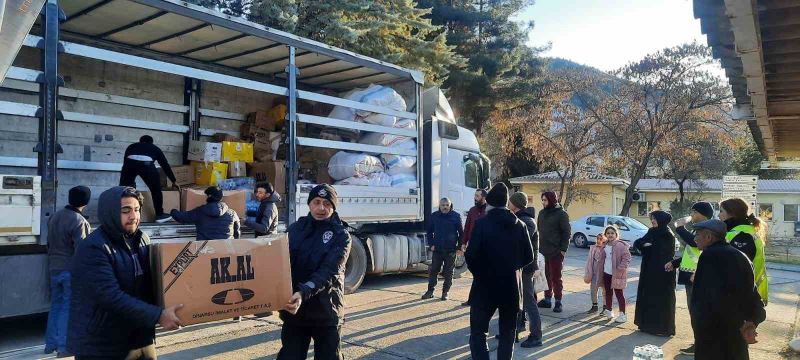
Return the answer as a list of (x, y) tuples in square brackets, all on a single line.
[(607, 34)]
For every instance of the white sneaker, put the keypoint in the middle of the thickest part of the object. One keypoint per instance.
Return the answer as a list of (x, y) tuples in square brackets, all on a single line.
[(621, 318), (608, 314)]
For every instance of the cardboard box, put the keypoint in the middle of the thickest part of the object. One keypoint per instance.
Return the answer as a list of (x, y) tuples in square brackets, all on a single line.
[(184, 175), (209, 173), (172, 200), (220, 137), (267, 141), (237, 169), (237, 151), (270, 120), (222, 279), (272, 171), (205, 151), (235, 199)]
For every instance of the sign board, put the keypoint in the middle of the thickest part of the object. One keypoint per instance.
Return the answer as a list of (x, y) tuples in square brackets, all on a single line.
[(16, 19), (744, 187)]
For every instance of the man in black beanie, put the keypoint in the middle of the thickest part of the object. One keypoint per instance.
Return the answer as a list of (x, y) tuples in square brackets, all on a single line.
[(500, 247), (687, 263), (319, 245), (140, 160), (214, 220), (66, 228)]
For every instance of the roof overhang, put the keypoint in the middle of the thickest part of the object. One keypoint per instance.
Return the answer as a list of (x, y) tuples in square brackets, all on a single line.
[(184, 33), (758, 44)]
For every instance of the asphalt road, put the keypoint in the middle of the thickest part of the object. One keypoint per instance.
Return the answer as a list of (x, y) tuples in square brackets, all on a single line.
[(387, 320)]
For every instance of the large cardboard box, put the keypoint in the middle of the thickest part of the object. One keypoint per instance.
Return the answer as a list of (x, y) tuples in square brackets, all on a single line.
[(222, 279), (205, 151), (235, 199), (272, 171), (237, 151), (172, 200), (209, 173), (184, 175), (237, 169)]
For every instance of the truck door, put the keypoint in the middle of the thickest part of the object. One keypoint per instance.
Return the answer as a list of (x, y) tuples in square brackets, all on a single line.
[(462, 179)]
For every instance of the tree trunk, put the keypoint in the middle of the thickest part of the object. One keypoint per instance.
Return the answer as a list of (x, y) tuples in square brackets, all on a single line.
[(637, 175), (681, 192)]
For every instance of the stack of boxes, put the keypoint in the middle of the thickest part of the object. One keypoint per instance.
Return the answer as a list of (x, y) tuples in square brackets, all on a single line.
[(263, 130)]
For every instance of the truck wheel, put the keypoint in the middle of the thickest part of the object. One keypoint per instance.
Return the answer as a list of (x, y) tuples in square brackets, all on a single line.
[(356, 267)]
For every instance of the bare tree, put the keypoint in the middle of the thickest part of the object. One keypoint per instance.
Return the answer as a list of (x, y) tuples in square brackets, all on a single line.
[(664, 94)]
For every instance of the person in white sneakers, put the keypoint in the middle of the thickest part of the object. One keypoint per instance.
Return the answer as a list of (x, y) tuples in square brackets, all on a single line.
[(616, 259)]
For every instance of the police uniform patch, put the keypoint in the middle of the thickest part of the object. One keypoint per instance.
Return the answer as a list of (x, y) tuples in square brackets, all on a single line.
[(323, 193), (327, 236)]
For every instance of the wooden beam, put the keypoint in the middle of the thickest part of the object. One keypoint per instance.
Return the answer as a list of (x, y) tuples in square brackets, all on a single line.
[(782, 59), (782, 68), (781, 17), (784, 108), (789, 32), (783, 77), (766, 5), (781, 47), (787, 85)]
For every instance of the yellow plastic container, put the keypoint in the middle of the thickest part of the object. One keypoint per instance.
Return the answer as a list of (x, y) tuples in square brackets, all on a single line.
[(237, 151), (209, 173)]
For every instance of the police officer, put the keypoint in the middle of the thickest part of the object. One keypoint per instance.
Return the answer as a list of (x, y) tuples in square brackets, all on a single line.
[(318, 248), (746, 233)]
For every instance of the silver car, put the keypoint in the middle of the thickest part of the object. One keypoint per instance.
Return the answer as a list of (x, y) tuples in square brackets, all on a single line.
[(586, 229)]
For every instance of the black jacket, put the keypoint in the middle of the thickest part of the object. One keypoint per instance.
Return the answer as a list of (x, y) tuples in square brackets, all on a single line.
[(743, 242), (724, 298), (554, 231), (684, 277), (318, 251), (498, 249), (151, 151), (66, 229), (112, 308), (214, 221), (526, 215), (445, 231), (267, 216)]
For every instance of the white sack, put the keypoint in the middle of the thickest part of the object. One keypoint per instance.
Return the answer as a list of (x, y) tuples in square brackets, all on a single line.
[(404, 181), (383, 97), (374, 179), (345, 164)]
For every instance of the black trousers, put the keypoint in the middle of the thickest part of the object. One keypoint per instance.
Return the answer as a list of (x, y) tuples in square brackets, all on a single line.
[(444, 262), (149, 174), (295, 341), (479, 319)]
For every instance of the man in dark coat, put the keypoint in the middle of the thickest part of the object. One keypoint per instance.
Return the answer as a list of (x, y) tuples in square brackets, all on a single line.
[(266, 218), (140, 160), (500, 249), (444, 237), (112, 313), (554, 234), (726, 307), (319, 245), (476, 212), (518, 204), (655, 296), (214, 220), (66, 229)]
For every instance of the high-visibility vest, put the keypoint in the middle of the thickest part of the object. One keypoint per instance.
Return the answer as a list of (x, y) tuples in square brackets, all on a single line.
[(689, 259), (759, 262)]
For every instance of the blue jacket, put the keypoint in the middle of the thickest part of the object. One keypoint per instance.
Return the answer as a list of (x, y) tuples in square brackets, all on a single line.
[(214, 221), (445, 230), (318, 251), (112, 308)]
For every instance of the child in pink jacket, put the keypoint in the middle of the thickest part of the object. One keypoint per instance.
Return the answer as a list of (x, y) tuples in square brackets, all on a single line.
[(611, 260), (594, 278)]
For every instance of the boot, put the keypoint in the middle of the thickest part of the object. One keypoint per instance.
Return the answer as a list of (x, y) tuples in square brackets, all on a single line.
[(557, 308), (531, 342), (593, 310), (444, 296), (545, 303), (428, 295)]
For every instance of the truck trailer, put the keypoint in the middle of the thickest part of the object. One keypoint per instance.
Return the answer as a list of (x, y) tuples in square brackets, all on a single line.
[(86, 78)]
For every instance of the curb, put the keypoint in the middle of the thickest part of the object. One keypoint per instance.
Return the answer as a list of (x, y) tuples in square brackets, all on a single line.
[(783, 267)]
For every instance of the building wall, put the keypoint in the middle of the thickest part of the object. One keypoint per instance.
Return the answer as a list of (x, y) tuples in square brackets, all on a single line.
[(603, 201)]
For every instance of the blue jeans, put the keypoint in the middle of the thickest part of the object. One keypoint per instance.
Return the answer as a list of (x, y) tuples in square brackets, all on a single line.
[(60, 293)]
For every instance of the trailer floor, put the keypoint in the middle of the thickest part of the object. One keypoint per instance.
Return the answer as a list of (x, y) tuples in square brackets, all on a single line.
[(387, 320)]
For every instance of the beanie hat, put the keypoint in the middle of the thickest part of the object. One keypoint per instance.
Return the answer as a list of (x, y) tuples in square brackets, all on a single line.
[(214, 194), (498, 196), (704, 208), (326, 192), (520, 200), (552, 198), (79, 196)]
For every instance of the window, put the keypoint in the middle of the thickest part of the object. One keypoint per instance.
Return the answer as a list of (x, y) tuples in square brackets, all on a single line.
[(645, 208), (618, 222), (765, 211), (642, 208), (790, 212), (471, 173), (596, 221)]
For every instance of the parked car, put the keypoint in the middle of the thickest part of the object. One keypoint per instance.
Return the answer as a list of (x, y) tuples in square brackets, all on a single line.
[(585, 229)]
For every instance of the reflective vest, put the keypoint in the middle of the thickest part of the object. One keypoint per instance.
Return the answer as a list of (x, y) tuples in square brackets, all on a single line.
[(689, 259), (759, 263)]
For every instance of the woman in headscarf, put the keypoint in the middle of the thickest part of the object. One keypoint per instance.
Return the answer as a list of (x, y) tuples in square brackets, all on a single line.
[(655, 297)]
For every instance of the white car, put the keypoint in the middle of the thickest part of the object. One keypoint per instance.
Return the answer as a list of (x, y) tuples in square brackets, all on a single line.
[(585, 229)]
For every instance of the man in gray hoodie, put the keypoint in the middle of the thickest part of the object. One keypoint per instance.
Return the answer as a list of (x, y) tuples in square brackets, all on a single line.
[(214, 220), (66, 229)]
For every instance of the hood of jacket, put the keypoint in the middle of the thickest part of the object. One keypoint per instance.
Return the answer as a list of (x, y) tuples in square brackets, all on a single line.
[(525, 213), (662, 218), (502, 216), (214, 209), (109, 212), (274, 198)]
